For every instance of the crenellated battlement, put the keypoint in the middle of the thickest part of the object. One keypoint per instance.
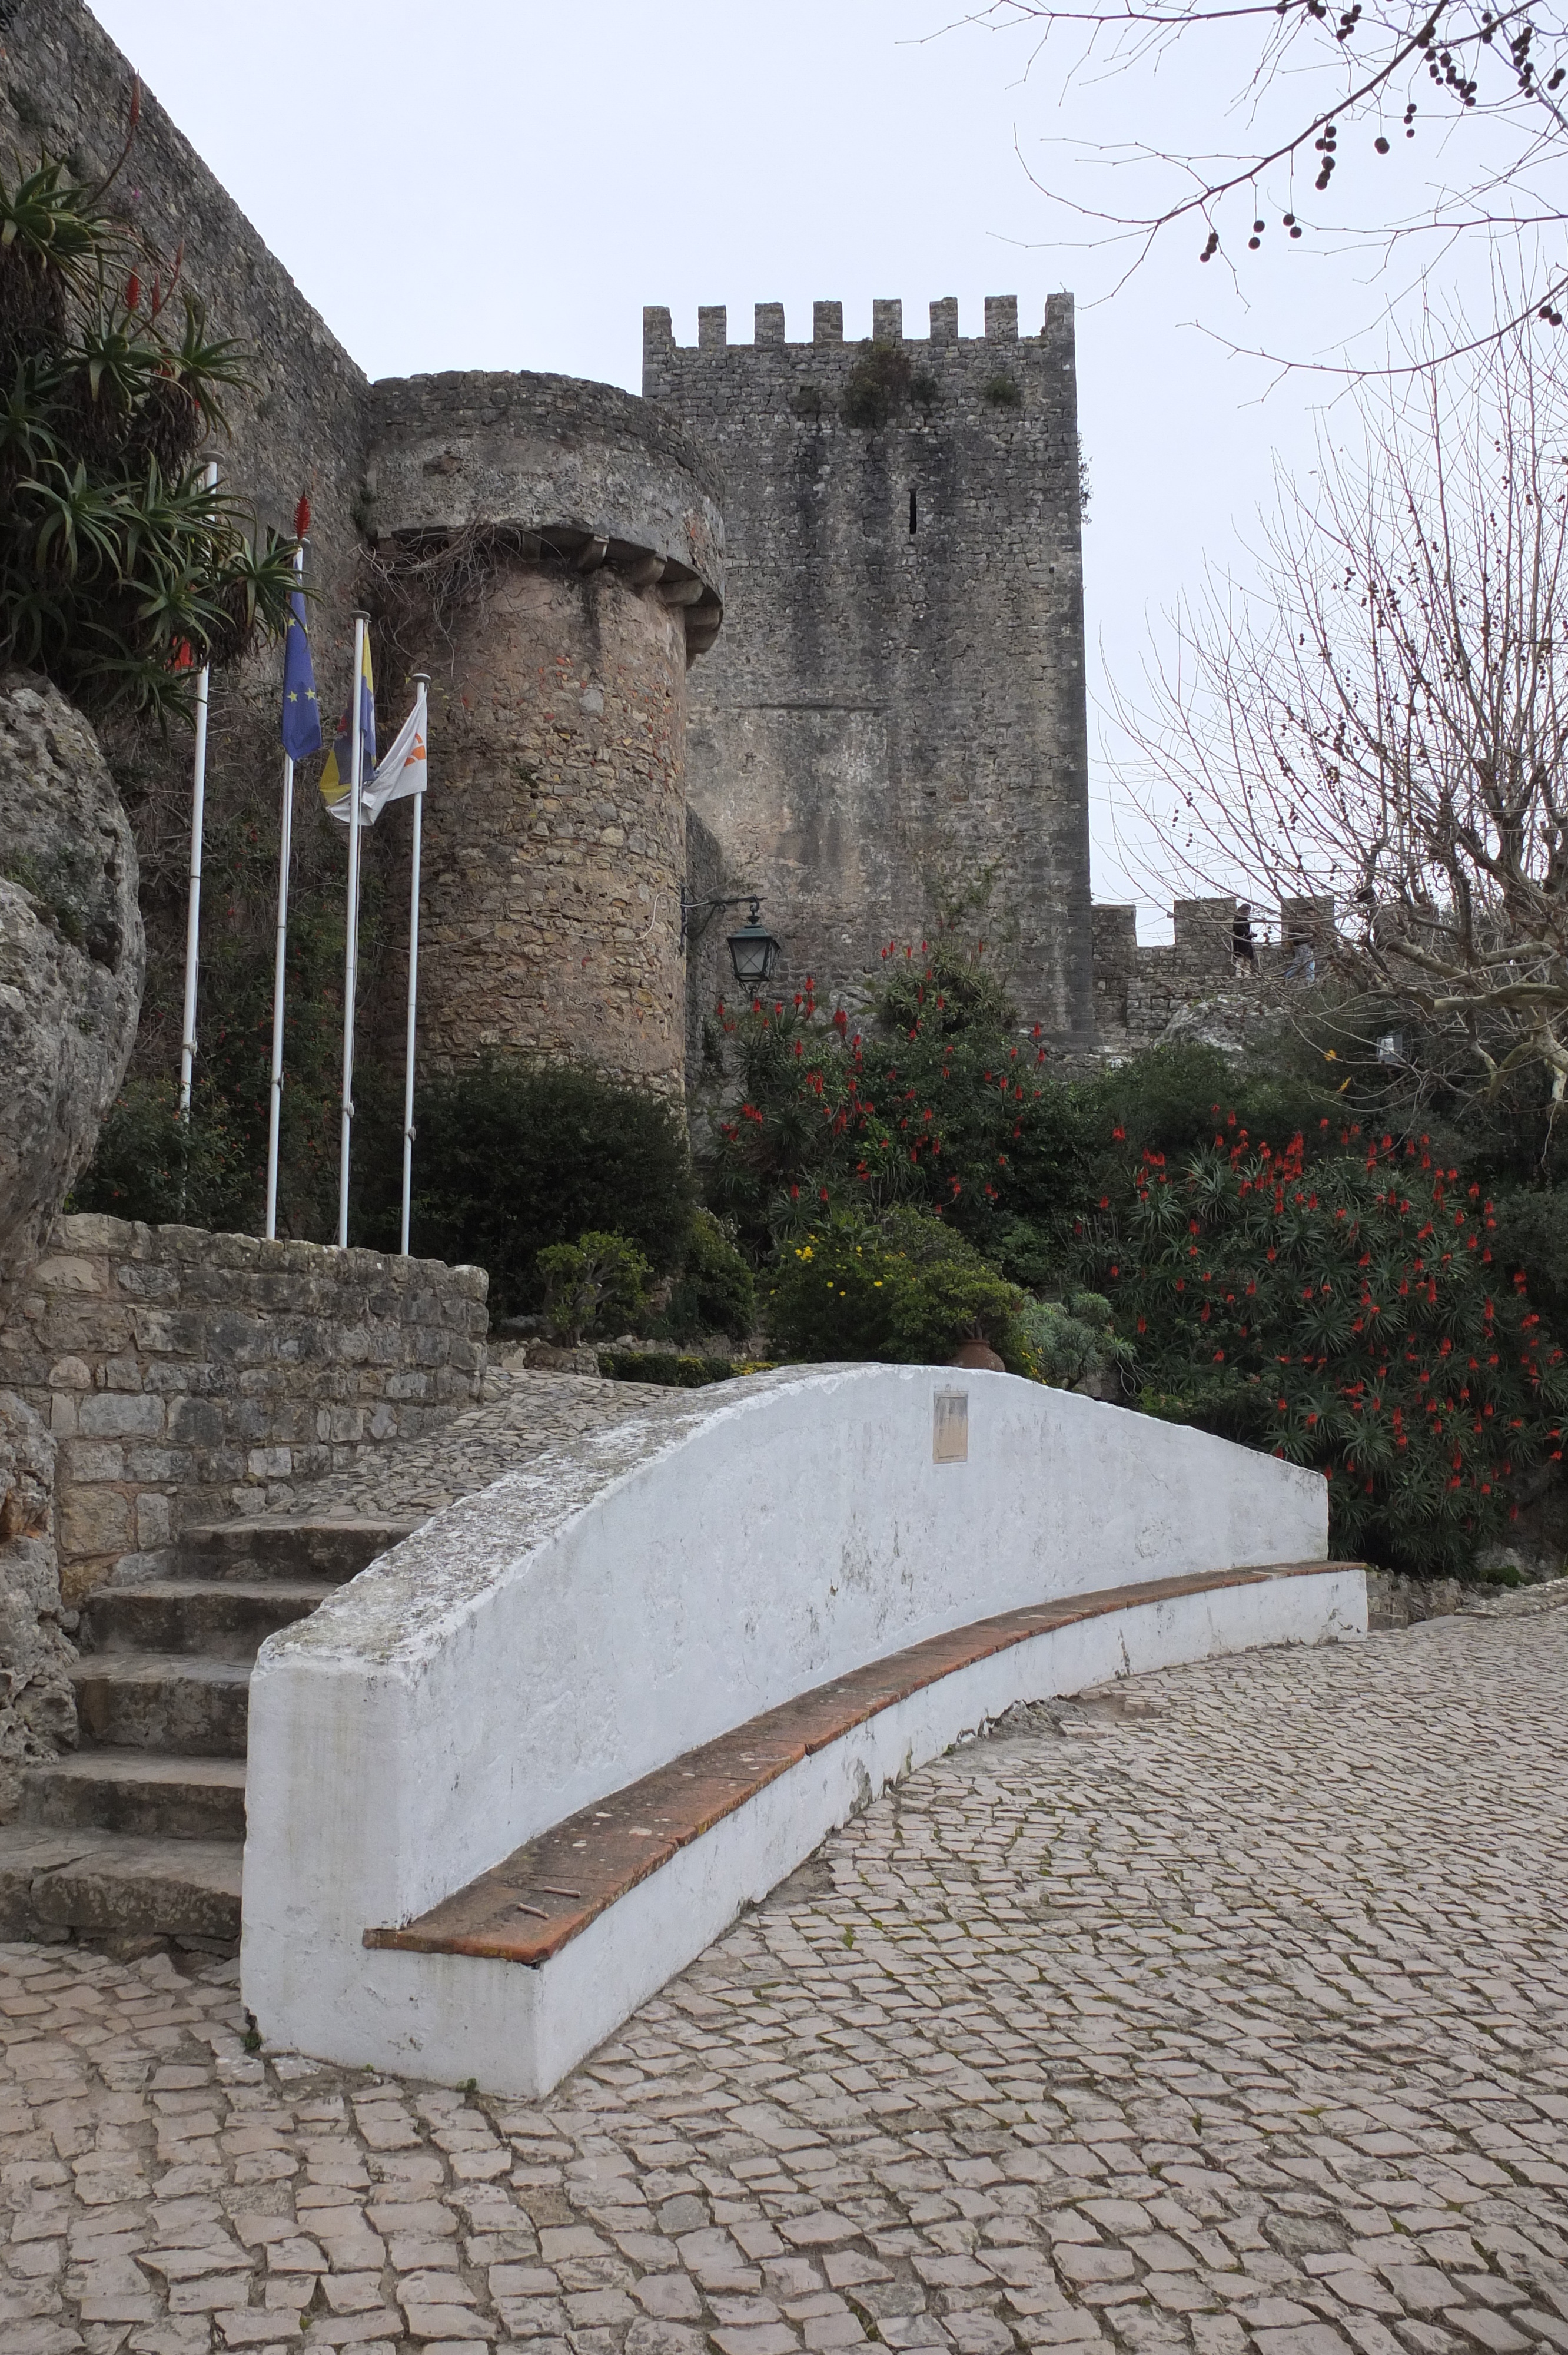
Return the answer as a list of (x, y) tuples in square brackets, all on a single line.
[(770, 336), (1229, 972)]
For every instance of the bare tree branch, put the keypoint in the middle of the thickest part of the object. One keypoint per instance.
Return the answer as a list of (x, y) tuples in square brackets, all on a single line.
[(1314, 78), (1386, 719)]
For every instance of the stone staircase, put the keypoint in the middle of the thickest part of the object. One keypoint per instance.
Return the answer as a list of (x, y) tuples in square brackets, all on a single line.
[(139, 1833)]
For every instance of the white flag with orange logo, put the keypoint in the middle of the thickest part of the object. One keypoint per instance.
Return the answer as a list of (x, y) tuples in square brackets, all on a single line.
[(399, 775)]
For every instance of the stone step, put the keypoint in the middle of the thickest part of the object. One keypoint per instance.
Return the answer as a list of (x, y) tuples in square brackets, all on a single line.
[(142, 1832), (224, 1618), (248, 1550), (139, 1792), (55, 1882), (173, 1701)]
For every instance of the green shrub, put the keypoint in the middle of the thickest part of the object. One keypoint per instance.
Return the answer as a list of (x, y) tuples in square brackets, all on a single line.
[(511, 1157), (151, 1164), (904, 1290), (1004, 392), (716, 1291), (1072, 1341), (879, 382), (1170, 1097), (660, 1366), (948, 1303), (1347, 1314), (598, 1281), (1027, 1253), (1532, 1241), (943, 993)]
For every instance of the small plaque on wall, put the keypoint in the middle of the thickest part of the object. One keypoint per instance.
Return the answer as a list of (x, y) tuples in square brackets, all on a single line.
[(951, 1427)]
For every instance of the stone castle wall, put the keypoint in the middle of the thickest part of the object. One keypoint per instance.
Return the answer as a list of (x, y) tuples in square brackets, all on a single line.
[(1140, 991), (556, 829), (894, 711), (576, 864), (579, 470), (709, 974), (889, 725), (65, 87), (186, 1376)]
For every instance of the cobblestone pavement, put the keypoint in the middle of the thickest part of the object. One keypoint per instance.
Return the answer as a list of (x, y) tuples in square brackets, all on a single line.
[(1226, 2015), (523, 1416)]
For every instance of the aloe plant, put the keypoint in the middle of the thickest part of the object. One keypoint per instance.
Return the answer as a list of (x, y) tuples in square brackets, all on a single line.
[(120, 573)]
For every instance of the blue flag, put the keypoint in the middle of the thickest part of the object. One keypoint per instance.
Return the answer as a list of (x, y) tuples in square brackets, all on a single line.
[(301, 728)]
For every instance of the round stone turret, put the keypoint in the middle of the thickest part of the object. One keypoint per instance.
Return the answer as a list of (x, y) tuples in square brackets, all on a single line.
[(587, 542)]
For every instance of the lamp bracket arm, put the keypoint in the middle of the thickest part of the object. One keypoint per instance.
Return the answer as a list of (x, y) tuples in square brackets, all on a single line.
[(696, 915)]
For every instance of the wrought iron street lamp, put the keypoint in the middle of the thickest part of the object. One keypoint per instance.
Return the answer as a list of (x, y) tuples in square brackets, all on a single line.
[(753, 950)]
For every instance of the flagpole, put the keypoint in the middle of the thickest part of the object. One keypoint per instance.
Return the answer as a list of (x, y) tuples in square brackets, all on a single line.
[(422, 682), (285, 853), (351, 954), (193, 910)]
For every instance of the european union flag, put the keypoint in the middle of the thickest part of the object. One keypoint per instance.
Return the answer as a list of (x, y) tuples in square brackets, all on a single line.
[(301, 728)]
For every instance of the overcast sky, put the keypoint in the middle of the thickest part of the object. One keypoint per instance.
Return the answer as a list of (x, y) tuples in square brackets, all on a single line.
[(505, 182)]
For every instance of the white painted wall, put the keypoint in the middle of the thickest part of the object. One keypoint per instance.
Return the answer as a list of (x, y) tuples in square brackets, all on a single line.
[(582, 1621)]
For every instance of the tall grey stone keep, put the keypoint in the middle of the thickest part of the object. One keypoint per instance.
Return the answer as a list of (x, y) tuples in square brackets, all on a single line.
[(891, 724)]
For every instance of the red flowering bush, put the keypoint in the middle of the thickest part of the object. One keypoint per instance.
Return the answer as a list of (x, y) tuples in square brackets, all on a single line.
[(935, 1100), (1345, 1311)]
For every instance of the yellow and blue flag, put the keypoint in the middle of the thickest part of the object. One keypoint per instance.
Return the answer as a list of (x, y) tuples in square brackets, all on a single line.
[(337, 776), (302, 723)]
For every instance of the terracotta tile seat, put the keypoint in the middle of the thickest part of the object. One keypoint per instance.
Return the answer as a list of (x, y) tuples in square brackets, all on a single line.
[(527, 1908)]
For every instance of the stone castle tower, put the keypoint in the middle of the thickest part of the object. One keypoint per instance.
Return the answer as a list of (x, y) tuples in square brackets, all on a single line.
[(892, 720), (554, 850), (805, 619)]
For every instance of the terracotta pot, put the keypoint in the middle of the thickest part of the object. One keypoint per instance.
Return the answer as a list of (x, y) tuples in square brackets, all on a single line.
[(978, 1356)]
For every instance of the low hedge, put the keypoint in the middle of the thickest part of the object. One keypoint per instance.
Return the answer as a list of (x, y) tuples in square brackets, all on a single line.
[(663, 1367)]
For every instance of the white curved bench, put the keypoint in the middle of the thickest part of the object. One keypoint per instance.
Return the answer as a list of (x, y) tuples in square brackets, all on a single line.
[(529, 1764)]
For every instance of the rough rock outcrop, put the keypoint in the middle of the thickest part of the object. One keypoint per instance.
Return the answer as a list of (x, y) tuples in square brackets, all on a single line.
[(72, 956), (1237, 1022), (38, 1707)]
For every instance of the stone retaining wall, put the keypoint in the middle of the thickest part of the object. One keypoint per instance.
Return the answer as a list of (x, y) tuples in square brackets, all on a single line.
[(189, 1377)]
